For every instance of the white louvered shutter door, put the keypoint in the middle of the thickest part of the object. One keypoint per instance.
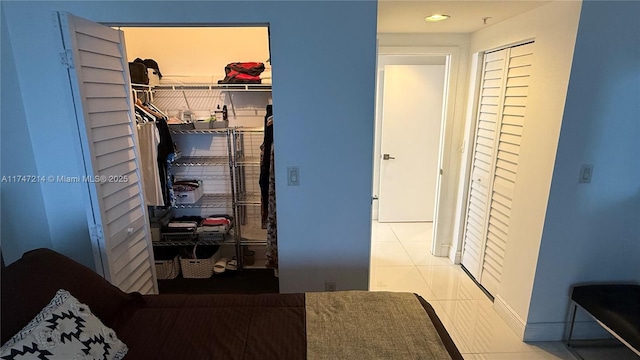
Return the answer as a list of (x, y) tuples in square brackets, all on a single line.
[(517, 73), (99, 74), (483, 161)]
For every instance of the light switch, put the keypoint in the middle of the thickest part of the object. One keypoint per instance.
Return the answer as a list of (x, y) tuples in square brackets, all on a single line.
[(586, 170), (293, 176)]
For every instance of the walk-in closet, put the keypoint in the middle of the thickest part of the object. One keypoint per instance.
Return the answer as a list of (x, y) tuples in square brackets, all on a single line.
[(204, 119)]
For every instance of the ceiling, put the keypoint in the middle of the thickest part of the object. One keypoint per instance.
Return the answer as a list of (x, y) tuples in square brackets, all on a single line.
[(407, 16)]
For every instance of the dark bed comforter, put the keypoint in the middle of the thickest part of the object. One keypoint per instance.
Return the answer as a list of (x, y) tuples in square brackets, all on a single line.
[(267, 326)]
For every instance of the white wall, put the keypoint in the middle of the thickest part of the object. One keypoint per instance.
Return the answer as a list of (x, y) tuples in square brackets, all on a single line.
[(197, 51), (310, 250), (454, 127), (553, 27), (592, 231)]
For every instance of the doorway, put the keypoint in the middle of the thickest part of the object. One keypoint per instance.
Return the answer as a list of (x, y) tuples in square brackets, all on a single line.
[(125, 245), (423, 238), (411, 122)]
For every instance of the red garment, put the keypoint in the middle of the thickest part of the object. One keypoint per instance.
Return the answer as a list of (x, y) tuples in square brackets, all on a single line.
[(243, 73), (215, 222)]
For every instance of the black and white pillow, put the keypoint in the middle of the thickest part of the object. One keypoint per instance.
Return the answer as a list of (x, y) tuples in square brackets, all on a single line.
[(66, 330)]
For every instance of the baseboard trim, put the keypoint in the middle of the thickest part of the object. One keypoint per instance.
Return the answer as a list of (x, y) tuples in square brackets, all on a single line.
[(455, 256), (444, 250), (509, 316)]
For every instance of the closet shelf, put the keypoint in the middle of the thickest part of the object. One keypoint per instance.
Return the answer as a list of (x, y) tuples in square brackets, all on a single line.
[(244, 241), (209, 201), (220, 131), (238, 200), (202, 161), (224, 87), (249, 130), (258, 264), (226, 177), (247, 160), (249, 199), (191, 243), (143, 86)]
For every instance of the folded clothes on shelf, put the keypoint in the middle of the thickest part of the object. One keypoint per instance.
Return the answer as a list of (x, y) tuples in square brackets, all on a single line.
[(186, 185), (178, 224), (215, 221), (218, 228), (183, 224)]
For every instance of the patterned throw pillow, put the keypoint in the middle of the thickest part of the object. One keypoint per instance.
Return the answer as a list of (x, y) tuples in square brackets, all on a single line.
[(66, 330)]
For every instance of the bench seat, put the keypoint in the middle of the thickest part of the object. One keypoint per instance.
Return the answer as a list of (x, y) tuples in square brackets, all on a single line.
[(614, 306)]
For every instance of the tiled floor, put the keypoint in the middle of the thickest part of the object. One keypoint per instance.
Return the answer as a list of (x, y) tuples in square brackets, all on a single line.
[(401, 262)]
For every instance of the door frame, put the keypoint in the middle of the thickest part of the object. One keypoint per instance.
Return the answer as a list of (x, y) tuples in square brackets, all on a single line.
[(475, 71), (446, 185), (473, 97)]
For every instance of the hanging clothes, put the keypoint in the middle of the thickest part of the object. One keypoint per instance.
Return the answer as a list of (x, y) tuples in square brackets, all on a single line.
[(165, 147), (265, 162), (171, 197), (148, 140), (272, 218)]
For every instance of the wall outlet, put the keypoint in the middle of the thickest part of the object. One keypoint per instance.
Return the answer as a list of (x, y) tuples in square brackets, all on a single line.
[(329, 286), (293, 176), (586, 170)]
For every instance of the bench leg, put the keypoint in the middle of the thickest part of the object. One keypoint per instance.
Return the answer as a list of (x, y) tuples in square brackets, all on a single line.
[(573, 320)]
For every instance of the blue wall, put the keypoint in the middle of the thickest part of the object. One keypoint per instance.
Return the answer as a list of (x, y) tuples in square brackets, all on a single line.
[(320, 50), (23, 227), (592, 231)]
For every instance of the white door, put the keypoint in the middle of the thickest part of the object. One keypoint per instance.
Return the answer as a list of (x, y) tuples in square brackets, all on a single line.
[(501, 118), (517, 73), (483, 161), (411, 123), (99, 76)]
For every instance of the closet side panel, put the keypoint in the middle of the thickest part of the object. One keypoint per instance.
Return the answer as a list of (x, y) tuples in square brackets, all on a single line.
[(99, 80)]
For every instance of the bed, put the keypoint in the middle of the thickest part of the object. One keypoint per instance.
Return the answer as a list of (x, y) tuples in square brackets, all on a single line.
[(323, 325)]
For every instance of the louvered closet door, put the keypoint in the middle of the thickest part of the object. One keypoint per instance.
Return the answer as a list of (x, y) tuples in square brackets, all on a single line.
[(99, 76), (494, 170), (516, 88), (483, 161)]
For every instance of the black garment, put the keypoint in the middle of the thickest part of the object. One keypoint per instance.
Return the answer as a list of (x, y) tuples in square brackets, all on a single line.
[(265, 164), (165, 147)]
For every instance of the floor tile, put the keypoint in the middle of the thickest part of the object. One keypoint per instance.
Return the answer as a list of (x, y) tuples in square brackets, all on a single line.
[(448, 324), (482, 329), (420, 254), (450, 283), (420, 232), (400, 278), (384, 253), (382, 232)]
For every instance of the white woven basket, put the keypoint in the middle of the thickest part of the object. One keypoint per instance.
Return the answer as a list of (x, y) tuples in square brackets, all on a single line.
[(198, 268), (168, 269)]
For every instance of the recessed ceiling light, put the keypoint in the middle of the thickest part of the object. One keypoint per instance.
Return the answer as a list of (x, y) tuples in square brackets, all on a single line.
[(436, 17)]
